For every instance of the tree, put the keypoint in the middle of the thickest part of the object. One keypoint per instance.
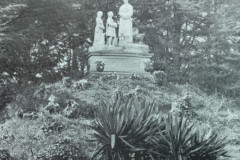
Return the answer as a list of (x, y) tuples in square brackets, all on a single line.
[(172, 30), (216, 67), (41, 37)]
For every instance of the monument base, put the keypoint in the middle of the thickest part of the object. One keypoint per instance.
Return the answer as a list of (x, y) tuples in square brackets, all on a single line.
[(123, 63)]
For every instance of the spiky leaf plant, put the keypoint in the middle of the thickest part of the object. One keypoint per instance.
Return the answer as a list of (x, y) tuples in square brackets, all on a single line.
[(181, 141), (209, 146), (123, 126), (173, 142)]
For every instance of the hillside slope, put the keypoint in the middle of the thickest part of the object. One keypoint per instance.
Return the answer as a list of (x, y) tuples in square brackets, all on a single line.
[(43, 117)]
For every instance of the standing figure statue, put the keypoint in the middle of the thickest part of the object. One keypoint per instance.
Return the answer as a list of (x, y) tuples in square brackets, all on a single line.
[(125, 24), (111, 29), (99, 39)]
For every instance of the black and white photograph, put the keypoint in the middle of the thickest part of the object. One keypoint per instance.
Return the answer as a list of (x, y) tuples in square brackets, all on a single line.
[(119, 79)]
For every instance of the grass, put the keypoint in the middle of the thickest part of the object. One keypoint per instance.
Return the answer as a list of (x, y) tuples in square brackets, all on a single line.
[(25, 139)]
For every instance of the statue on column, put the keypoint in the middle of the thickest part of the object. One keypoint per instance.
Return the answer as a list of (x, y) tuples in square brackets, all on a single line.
[(99, 39), (111, 29), (125, 24)]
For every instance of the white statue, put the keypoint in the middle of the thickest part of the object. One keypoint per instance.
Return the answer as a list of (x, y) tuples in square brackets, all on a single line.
[(99, 35), (110, 29), (125, 24)]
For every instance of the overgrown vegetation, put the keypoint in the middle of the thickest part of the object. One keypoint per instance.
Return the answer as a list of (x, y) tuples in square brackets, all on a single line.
[(28, 134), (48, 102), (129, 127)]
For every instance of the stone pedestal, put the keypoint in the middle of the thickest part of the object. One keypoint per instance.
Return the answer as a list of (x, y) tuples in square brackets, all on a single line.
[(128, 58)]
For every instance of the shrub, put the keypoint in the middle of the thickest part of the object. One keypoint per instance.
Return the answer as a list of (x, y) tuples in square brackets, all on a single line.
[(123, 126), (173, 142), (209, 147), (180, 141)]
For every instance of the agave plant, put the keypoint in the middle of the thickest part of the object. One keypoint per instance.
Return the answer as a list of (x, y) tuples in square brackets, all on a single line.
[(123, 126), (180, 141), (172, 143), (209, 147)]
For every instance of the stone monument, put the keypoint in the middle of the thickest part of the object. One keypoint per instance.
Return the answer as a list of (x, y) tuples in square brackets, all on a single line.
[(120, 53)]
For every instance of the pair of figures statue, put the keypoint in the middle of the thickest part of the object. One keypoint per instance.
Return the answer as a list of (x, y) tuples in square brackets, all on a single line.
[(125, 34)]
